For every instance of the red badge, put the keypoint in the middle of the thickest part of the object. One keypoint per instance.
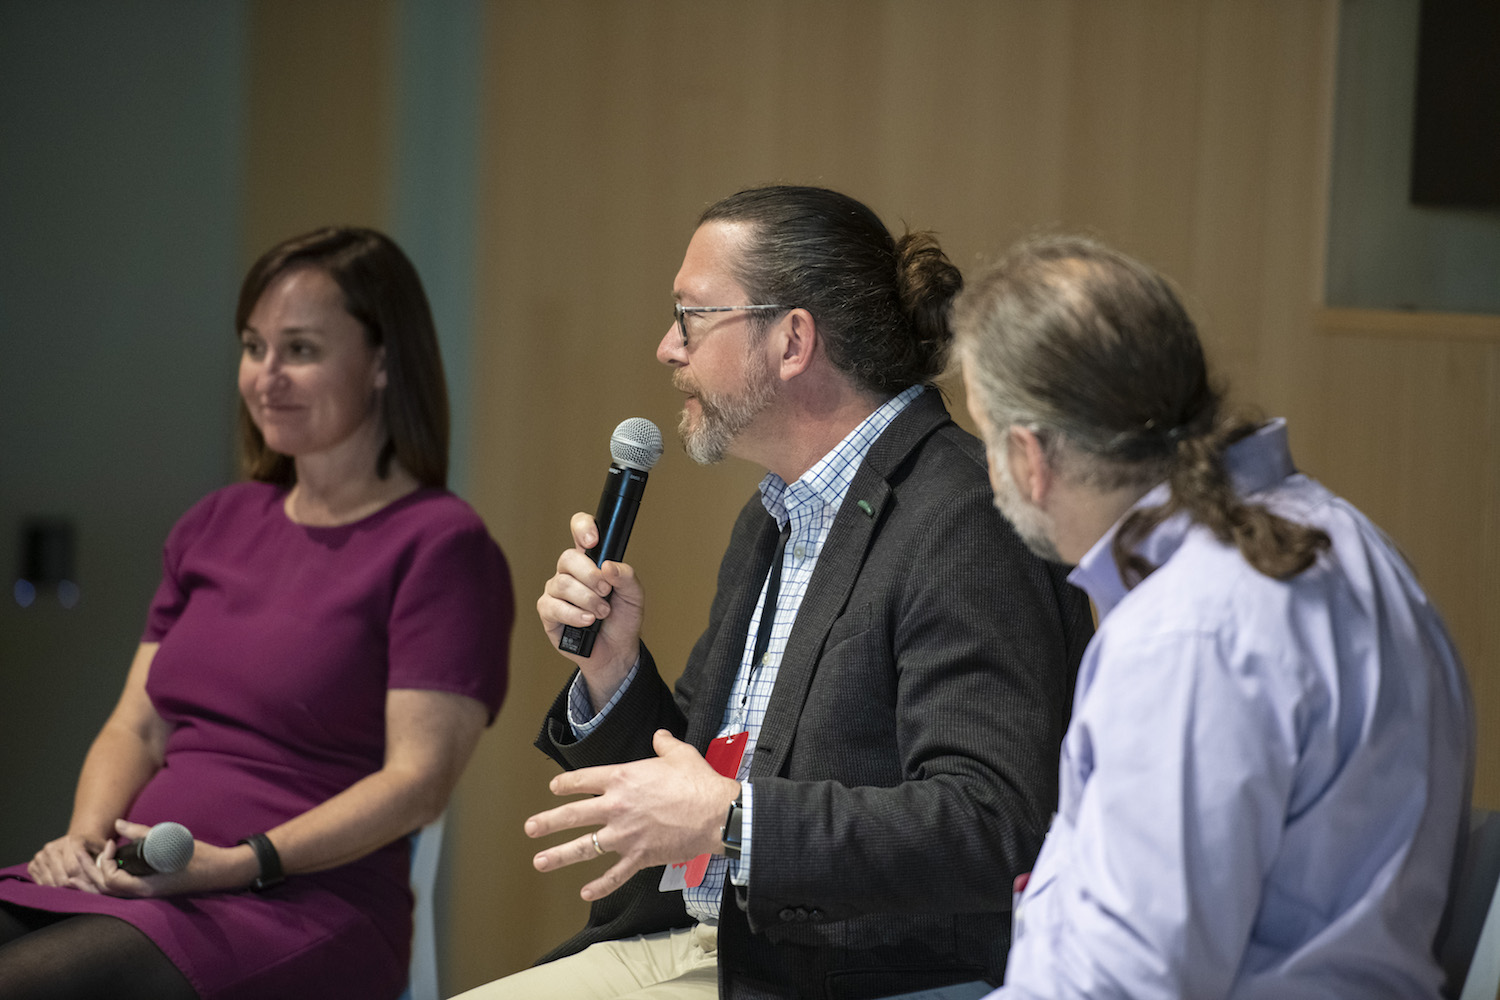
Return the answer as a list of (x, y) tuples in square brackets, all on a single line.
[(724, 756)]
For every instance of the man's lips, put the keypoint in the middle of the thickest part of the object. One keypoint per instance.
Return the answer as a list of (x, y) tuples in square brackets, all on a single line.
[(688, 390)]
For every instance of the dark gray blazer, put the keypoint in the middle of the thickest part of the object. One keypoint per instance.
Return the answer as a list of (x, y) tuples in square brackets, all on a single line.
[(906, 769)]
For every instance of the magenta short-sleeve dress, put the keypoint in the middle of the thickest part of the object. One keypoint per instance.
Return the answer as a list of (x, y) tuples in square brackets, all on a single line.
[(278, 644)]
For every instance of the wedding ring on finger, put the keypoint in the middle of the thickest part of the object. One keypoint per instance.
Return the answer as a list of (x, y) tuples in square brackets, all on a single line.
[(595, 838)]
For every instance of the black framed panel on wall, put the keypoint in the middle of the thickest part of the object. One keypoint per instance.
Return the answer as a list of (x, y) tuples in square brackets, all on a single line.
[(1402, 237), (1455, 158)]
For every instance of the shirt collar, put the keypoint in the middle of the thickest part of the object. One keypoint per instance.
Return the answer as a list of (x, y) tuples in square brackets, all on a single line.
[(1255, 464), (829, 479)]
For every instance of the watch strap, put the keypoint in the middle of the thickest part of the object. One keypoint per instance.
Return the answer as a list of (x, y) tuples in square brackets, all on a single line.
[(270, 862), (731, 835)]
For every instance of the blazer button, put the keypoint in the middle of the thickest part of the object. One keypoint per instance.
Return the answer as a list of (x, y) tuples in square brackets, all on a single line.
[(788, 914), (815, 913)]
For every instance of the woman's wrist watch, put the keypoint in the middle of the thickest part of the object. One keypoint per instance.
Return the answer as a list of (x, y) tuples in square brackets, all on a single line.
[(731, 834), (270, 862)]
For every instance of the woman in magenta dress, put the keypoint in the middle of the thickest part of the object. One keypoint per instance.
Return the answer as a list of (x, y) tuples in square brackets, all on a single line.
[(328, 642)]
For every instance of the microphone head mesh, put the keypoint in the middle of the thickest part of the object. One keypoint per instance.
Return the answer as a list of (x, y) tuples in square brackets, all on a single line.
[(167, 847), (636, 443)]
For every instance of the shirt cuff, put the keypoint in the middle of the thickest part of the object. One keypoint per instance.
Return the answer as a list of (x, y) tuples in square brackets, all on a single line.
[(739, 871), (580, 707)]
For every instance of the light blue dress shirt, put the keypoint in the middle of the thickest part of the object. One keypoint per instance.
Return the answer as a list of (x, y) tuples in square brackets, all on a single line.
[(809, 505), (1263, 782)]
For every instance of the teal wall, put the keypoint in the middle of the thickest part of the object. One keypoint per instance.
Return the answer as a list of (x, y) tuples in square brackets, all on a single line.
[(1383, 252), (436, 183), (435, 219), (120, 131)]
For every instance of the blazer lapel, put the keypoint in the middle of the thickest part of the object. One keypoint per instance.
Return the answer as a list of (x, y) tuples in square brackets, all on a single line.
[(848, 544), (729, 645)]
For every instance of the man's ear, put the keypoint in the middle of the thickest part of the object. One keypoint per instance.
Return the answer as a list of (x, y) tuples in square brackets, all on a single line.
[(798, 335), (1029, 468)]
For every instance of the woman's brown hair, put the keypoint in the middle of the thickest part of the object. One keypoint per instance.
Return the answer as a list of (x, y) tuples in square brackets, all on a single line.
[(381, 289)]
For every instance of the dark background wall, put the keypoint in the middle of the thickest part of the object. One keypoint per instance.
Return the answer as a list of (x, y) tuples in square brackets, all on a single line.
[(121, 158)]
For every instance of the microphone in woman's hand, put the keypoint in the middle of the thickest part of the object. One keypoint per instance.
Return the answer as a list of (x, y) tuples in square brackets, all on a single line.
[(166, 848)]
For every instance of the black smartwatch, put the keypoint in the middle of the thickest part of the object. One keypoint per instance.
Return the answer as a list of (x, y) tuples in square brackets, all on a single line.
[(731, 835)]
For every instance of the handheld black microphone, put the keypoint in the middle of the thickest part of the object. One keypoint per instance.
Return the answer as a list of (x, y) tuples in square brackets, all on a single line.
[(166, 848), (635, 447)]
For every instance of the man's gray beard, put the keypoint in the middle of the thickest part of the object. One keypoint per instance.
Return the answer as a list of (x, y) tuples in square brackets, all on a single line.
[(1029, 522), (722, 418)]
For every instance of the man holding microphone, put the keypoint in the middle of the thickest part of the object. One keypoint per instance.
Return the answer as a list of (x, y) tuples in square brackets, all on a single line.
[(885, 674)]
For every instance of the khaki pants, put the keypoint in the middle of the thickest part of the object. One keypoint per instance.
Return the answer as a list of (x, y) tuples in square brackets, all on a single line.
[(674, 965)]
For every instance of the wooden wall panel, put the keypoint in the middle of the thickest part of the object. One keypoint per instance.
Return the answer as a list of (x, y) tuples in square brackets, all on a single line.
[(1413, 439), (320, 114), (1192, 134)]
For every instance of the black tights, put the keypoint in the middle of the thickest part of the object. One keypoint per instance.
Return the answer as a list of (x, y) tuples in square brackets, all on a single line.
[(85, 956)]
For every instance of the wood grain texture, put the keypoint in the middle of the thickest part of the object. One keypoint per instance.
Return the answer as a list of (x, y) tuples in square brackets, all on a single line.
[(1195, 135), (1409, 325), (320, 115)]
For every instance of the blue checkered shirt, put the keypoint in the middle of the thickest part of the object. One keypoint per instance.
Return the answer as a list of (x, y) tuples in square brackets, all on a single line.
[(809, 505)]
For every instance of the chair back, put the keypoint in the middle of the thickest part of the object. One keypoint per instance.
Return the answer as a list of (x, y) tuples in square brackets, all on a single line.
[(1469, 947), (426, 849)]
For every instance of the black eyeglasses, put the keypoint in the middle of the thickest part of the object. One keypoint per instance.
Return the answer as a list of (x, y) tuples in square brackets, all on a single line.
[(681, 311)]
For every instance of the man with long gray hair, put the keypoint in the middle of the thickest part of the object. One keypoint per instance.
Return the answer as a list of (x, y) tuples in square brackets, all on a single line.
[(1268, 764)]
